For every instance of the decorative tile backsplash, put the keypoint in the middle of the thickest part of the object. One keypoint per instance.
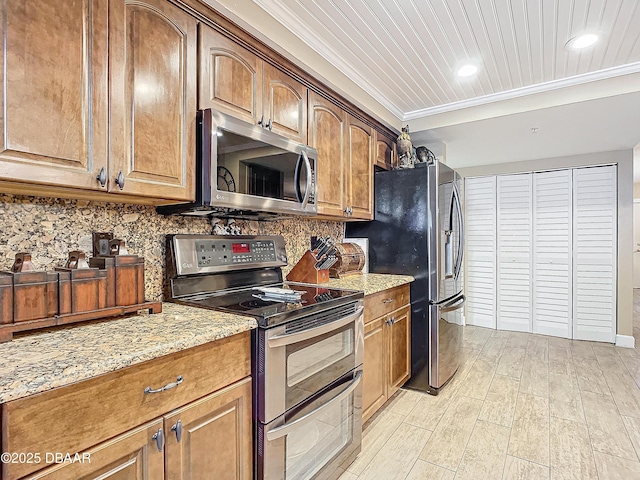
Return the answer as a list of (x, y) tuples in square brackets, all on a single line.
[(49, 228)]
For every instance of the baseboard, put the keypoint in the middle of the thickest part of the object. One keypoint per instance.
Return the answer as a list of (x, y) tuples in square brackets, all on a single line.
[(626, 341)]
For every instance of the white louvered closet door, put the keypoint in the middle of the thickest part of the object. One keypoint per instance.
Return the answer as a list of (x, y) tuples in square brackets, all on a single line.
[(552, 245), (595, 249), (514, 252), (480, 223)]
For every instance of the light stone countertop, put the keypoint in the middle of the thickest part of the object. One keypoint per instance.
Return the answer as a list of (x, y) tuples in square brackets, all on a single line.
[(369, 283), (44, 360)]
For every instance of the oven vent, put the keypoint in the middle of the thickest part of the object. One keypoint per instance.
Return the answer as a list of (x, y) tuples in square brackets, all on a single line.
[(321, 318)]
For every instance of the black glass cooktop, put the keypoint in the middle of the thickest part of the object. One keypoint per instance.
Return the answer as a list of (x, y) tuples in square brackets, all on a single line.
[(251, 301)]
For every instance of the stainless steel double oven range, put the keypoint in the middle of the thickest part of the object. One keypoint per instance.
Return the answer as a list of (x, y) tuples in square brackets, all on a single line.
[(307, 353)]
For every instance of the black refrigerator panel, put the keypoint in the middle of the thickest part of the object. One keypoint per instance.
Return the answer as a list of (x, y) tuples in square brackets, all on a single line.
[(398, 245)]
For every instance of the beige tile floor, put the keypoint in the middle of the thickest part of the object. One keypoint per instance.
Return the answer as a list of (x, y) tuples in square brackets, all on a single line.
[(521, 406)]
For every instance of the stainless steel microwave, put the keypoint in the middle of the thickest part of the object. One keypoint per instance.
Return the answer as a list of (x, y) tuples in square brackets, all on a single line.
[(246, 170)]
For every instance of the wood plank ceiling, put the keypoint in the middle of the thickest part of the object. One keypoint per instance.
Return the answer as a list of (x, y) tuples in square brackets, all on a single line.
[(406, 52)]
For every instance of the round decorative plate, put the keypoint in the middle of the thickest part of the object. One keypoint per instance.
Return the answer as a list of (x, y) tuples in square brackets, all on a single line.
[(226, 183)]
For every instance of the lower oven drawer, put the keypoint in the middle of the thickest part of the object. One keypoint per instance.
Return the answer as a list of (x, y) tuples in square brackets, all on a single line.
[(312, 440)]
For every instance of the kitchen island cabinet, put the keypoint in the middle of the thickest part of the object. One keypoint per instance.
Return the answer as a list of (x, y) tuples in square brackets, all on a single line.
[(71, 397)]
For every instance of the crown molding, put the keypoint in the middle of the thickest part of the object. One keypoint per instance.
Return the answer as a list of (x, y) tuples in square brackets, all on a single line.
[(282, 15), (628, 69)]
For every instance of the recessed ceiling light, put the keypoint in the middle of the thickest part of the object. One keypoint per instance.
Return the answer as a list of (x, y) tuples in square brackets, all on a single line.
[(467, 70), (582, 41)]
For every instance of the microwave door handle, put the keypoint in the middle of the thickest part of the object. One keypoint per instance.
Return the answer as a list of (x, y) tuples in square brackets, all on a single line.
[(296, 178), (307, 165), (285, 429), (288, 339)]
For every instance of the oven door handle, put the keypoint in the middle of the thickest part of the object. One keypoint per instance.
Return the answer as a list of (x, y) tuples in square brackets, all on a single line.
[(288, 339), (285, 429)]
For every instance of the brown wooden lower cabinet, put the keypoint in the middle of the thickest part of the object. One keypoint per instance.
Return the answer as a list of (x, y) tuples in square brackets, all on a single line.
[(186, 415), (130, 456), (211, 438), (387, 353), (208, 438)]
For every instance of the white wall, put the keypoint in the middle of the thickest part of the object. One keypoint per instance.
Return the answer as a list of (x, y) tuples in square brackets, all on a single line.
[(624, 160)]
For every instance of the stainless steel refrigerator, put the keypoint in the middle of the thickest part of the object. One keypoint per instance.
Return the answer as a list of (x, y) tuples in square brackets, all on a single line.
[(418, 230)]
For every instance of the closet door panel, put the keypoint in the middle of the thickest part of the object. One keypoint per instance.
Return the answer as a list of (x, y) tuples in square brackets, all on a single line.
[(480, 222), (514, 252), (552, 245), (595, 253)]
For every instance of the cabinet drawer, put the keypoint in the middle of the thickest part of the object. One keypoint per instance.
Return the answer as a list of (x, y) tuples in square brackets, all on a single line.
[(385, 302), (76, 417)]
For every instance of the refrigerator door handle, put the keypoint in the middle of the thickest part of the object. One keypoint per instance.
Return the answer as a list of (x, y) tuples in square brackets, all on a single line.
[(448, 301), (453, 305), (458, 266)]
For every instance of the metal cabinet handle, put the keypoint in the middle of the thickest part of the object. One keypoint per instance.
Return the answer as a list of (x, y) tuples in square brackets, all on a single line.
[(350, 211), (391, 320), (346, 212), (388, 300), (168, 386), (159, 438), (270, 125), (177, 429), (261, 121), (102, 177), (120, 180)]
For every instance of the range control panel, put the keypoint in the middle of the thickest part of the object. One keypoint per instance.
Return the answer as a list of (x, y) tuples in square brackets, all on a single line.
[(198, 254), (227, 252)]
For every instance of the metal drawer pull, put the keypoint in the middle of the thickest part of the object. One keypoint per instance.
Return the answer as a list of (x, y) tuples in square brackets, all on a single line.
[(159, 438), (168, 386), (288, 427), (177, 428), (390, 321), (388, 300), (289, 338)]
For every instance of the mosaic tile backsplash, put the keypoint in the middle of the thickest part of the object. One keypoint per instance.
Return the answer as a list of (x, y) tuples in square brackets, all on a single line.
[(49, 228)]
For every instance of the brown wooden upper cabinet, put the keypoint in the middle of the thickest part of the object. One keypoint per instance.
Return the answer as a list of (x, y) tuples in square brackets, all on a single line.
[(67, 63), (328, 134), (54, 113), (360, 156), (345, 162), (235, 81), (385, 152), (152, 59)]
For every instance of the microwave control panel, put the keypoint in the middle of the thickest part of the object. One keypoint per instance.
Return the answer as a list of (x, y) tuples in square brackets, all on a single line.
[(232, 252)]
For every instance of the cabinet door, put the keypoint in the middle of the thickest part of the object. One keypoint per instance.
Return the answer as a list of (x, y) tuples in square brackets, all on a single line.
[(360, 185), (374, 389), (399, 349), (229, 76), (215, 436), (384, 152), (152, 56), (284, 104), (328, 135), (53, 108), (134, 455)]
